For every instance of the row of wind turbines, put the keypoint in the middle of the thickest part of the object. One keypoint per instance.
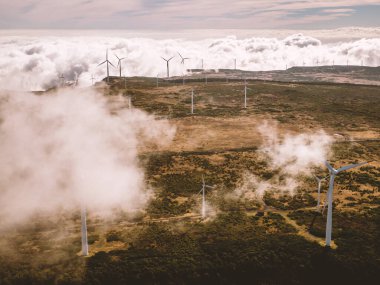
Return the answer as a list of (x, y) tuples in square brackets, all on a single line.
[(167, 60), (328, 238), (108, 63)]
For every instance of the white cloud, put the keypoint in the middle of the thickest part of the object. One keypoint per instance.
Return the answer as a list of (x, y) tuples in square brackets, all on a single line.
[(34, 62), (63, 149)]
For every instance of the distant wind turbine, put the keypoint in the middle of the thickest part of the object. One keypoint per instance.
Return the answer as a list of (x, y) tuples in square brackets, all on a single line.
[(333, 173), (203, 190), (107, 63), (84, 231), (245, 94), (119, 63), (235, 63), (192, 101), (319, 180), (92, 79), (62, 79), (183, 59), (167, 65)]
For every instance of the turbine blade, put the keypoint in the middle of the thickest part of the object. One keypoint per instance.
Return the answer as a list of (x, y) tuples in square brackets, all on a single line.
[(102, 63), (331, 169), (180, 55), (117, 57), (351, 166), (164, 58), (171, 58), (110, 63)]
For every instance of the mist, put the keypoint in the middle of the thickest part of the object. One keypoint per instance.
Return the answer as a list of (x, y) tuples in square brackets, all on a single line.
[(63, 149), (34, 62), (289, 157)]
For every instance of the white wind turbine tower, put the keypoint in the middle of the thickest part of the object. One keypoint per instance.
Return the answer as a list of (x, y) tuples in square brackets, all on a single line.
[(319, 180), (167, 64), (119, 63), (108, 69), (333, 173), (76, 79), (84, 231), (192, 101), (92, 79), (62, 79), (203, 190), (245, 94)]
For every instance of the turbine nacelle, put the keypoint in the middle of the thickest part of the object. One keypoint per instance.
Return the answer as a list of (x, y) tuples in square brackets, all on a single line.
[(334, 171)]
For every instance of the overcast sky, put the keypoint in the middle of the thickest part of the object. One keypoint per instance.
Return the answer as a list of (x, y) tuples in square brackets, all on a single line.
[(186, 14)]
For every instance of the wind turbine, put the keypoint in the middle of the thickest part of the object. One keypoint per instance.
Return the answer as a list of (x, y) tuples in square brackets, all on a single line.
[(108, 70), (167, 64), (84, 231), (76, 80), (119, 63), (62, 79), (203, 190), (92, 79), (319, 180), (333, 173), (235, 63), (245, 94), (183, 58), (202, 62), (192, 101)]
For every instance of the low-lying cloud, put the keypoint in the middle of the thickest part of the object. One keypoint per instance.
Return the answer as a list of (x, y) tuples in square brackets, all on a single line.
[(36, 62), (288, 156), (63, 149)]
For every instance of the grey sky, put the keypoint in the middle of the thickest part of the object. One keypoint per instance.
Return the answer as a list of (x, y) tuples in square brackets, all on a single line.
[(182, 14)]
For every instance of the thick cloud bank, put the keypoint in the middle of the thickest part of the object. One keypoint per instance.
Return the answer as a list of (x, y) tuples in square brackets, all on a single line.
[(35, 63), (60, 150)]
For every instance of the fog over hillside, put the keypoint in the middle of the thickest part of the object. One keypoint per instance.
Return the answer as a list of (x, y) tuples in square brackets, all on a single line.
[(33, 60)]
